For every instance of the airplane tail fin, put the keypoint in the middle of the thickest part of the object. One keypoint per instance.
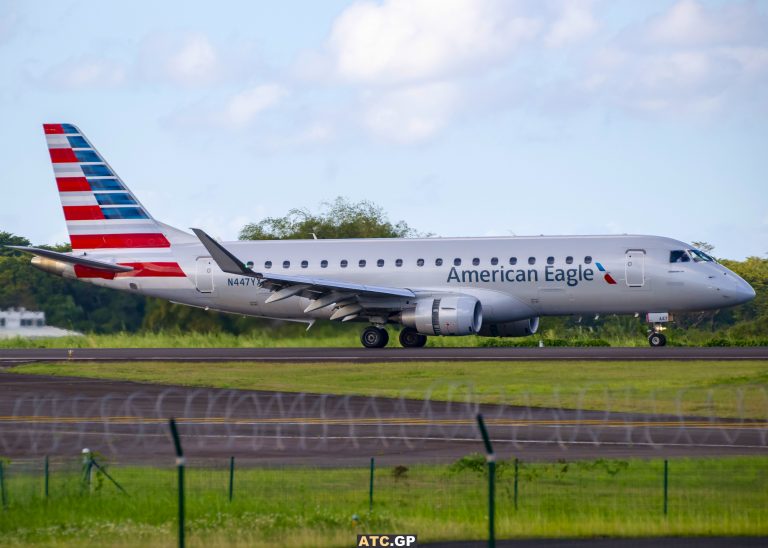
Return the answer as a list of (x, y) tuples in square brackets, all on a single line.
[(100, 210)]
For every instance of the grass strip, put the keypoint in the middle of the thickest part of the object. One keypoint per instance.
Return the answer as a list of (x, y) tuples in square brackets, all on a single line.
[(701, 388), (328, 507)]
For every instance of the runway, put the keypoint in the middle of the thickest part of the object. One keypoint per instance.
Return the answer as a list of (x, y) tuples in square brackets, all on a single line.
[(317, 355), (42, 415)]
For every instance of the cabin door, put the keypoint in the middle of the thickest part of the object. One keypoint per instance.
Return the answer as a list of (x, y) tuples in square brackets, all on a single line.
[(204, 275), (634, 265)]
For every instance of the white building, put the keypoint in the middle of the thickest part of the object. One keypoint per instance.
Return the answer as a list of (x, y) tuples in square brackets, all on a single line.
[(20, 322)]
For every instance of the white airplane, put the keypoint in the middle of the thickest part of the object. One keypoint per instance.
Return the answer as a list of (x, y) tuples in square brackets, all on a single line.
[(431, 286)]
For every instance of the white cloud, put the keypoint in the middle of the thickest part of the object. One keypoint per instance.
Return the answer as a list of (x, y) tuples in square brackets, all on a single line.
[(410, 40), (411, 114), (87, 72), (575, 23), (243, 107), (692, 58), (691, 23), (183, 59), (236, 111), (194, 62)]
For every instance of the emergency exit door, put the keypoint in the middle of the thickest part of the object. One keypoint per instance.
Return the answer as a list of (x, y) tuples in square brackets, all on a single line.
[(635, 267), (204, 275)]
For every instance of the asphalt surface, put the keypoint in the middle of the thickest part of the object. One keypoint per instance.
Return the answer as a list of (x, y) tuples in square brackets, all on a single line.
[(41, 415), (12, 356)]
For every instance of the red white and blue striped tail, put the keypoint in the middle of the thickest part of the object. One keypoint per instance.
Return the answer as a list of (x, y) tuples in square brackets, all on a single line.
[(100, 211)]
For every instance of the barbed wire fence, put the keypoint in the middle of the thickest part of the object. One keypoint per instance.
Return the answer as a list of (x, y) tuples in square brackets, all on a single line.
[(133, 425), (306, 455)]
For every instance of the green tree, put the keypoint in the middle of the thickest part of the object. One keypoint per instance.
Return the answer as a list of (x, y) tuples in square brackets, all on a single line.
[(337, 219), (6, 238)]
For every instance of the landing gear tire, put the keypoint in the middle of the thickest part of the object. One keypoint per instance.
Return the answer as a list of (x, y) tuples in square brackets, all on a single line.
[(410, 338), (374, 337), (657, 339)]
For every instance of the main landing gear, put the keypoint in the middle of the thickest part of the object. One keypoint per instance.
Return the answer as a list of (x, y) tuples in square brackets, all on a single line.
[(377, 337), (410, 338), (374, 337)]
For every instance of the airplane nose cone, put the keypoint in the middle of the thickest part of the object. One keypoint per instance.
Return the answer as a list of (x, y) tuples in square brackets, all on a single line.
[(739, 291), (745, 293)]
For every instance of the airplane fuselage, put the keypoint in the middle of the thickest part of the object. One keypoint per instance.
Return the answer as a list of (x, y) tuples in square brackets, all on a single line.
[(513, 278)]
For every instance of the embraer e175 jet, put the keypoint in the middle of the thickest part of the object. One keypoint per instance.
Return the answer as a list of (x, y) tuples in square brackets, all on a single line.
[(497, 287)]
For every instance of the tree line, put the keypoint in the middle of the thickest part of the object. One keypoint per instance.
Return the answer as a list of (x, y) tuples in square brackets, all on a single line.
[(87, 308)]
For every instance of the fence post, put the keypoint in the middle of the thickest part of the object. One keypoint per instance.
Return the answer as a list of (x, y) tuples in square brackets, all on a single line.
[(491, 459), (231, 477), (370, 486), (517, 462), (87, 468), (45, 481), (666, 486), (180, 468), (3, 495)]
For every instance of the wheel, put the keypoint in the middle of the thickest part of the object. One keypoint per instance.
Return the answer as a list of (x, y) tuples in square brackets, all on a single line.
[(657, 339), (410, 338), (374, 337)]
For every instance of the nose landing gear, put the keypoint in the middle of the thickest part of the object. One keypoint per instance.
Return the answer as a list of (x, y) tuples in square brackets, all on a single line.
[(657, 321), (657, 339)]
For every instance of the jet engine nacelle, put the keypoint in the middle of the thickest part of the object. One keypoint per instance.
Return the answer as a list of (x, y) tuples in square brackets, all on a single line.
[(520, 328), (445, 315)]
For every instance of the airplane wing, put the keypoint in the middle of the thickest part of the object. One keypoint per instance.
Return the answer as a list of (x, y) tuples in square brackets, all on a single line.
[(322, 291), (72, 259)]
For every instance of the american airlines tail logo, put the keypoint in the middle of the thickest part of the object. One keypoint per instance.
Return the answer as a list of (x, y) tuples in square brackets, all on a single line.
[(607, 276)]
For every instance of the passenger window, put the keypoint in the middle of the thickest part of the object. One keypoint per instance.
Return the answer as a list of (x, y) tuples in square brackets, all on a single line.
[(457, 262), (380, 263), (286, 264), (588, 259), (323, 264), (304, 264), (438, 262), (494, 261), (399, 262), (343, 263), (569, 260), (678, 256), (361, 264), (420, 262), (531, 260), (513, 260), (249, 265), (475, 261), (267, 264), (550, 260)]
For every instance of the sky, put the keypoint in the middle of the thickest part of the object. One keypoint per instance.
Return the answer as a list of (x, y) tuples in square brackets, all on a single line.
[(461, 117)]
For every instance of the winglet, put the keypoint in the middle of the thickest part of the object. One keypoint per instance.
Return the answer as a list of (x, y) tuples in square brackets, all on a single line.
[(227, 261)]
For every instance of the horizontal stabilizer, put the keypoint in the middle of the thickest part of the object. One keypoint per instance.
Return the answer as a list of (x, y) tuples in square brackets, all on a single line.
[(72, 259)]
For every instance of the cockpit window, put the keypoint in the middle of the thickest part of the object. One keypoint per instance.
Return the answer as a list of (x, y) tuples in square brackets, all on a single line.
[(678, 256), (700, 256)]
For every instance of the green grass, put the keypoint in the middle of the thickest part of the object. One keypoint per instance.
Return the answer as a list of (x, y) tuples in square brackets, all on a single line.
[(332, 336), (722, 388), (315, 507)]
